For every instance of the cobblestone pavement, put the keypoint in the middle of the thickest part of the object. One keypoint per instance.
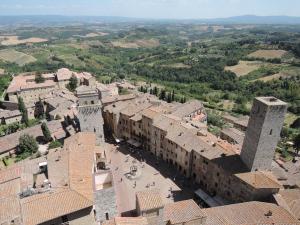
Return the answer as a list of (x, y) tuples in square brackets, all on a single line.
[(152, 174)]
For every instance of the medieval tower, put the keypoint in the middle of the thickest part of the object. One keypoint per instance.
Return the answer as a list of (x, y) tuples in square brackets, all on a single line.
[(263, 132), (89, 112)]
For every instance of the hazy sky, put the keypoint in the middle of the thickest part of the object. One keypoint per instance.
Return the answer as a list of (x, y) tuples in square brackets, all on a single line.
[(151, 8)]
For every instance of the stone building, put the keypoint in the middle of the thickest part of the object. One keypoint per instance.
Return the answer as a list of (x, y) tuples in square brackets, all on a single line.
[(187, 212), (24, 86), (214, 164), (149, 205), (90, 112), (263, 132), (63, 193)]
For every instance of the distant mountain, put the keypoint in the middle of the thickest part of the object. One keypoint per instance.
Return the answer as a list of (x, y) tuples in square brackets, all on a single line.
[(57, 19), (252, 19)]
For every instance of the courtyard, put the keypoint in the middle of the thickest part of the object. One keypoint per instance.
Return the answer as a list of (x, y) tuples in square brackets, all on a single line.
[(149, 173)]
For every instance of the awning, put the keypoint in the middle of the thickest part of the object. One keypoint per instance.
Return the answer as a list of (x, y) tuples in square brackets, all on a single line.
[(210, 201), (134, 143)]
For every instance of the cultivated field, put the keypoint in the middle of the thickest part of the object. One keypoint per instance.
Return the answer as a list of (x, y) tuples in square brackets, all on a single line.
[(285, 73), (177, 66), (244, 67), (13, 56), (268, 54), (91, 35), (14, 40), (140, 43)]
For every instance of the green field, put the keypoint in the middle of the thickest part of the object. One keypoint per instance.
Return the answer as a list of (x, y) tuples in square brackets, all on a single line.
[(13, 56)]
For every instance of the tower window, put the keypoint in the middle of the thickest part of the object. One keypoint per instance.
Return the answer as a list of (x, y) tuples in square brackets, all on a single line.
[(92, 102), (271, 131)]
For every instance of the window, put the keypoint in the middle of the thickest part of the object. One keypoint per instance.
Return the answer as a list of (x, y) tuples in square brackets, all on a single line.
[(92, 102), (271, 131), (106, 216)]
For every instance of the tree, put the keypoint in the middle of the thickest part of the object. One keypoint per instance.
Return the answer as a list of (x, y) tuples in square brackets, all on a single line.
[(23, 110), (73, 83), (21, 104), (173, 96), (162, 95), (297, 144), (39, 78), (296, 123), (46, 132), (155, 91), (54, 144), (25, 117), (169, 97), (27, 145)]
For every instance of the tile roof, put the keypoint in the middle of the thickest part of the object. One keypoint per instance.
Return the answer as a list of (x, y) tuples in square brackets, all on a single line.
[(24, 82), (11, 141), (259, 179), (131, 110), (249, 213), (182, 212), (235, 134), (81, 160), (149, 200), (290, 200), (112, 99), (149, 113), (127, 221), (50, 205), (163, 122), (64, 74), (9, 114), (10, 188), (187, 108), (9, 210), (10, 174)]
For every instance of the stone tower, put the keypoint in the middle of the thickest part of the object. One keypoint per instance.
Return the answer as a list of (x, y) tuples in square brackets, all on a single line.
[(89, 112), (263, 132)]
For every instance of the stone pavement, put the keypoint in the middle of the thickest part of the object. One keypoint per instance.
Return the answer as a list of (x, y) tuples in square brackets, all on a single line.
[(154, 174)]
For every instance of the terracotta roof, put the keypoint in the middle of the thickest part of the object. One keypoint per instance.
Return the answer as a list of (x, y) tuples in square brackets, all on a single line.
[(235, 134), (149, 113), (112, 99), (163, 122), (10, 174), (81, 160), (249, 213), (187, 108), (10, 188), (131, 110), (290, 200), (10, 142), (259, 179), (182, 212), (9, 114), (149, 200), (10, 210), (127, 221), (64, 74), (136, 117), (23, 82), (50, 205)]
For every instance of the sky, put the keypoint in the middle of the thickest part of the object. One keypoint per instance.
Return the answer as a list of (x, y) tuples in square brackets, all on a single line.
[(175, 9)]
